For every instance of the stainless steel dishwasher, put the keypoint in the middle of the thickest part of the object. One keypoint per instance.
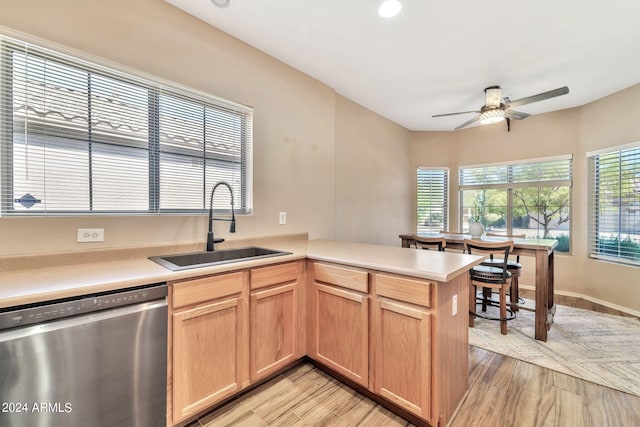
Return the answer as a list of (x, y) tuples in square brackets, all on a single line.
[(95, 360)]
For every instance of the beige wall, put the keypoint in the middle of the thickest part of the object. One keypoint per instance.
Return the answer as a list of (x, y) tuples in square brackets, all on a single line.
[(294, 123), (374, 180), (606, 122), (298, 124)]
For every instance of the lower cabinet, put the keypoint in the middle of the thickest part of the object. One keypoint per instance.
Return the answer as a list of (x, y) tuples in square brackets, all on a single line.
[(339, 319), (209, 348), (230, 330), (341, 331), (402, 349), (403, 338), (275, 318), (402, 354)]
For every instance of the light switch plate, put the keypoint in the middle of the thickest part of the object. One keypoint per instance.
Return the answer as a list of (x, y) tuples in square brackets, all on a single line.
[(282, 220)]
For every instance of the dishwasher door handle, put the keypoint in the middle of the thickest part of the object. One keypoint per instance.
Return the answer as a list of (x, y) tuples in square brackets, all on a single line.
[(81, 319)]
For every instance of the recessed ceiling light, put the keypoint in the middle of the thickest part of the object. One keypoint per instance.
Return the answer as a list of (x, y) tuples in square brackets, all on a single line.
[(222, 4), (389, 8)]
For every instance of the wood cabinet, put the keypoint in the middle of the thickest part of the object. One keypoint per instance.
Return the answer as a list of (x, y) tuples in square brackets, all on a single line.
[(403, 338), (276, 318), (209, 341), (339, 326), (402, 344)]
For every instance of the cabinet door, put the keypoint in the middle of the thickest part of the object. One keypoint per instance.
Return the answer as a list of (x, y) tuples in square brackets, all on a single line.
[(208, 356), (274, 314), (402, 355), (340, 332)]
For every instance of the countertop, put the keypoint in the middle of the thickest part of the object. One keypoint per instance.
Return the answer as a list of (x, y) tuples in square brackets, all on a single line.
[(30, 285)]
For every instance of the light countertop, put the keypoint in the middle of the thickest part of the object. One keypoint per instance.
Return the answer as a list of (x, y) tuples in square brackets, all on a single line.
[(38, 284)]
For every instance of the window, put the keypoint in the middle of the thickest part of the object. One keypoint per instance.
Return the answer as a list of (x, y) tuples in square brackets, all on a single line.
[(80, 138), (614, 204), (531, 198), (433, 190)]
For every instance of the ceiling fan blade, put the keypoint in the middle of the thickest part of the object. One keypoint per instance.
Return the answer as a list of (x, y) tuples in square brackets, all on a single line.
[(540, 97), (518, 115), (468, 122), (454, 114)]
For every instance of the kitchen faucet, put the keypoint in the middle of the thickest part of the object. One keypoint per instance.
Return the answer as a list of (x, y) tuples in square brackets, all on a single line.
[(232, 228)]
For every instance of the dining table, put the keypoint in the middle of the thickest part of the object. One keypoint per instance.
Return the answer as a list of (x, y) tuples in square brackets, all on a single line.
[(541, 249)]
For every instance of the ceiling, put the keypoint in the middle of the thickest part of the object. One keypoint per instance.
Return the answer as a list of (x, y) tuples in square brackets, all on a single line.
[(438, 56)]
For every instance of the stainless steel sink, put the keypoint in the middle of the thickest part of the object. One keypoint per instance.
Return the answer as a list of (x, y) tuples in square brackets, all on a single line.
[(206, 259)]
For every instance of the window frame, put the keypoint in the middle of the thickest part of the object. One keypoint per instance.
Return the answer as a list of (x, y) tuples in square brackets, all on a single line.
[(594, 192), (505, 180), (155, 89)]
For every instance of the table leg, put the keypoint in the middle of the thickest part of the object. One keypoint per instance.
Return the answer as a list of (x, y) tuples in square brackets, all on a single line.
[(551, 307), (544, 298)]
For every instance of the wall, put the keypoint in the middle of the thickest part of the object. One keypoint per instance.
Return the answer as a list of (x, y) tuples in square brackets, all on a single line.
[(298, 124), (374, 179), (606, 122)]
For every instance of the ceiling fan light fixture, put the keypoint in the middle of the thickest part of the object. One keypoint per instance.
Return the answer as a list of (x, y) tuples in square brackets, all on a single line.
[(389, 8), (493, 115), (222, 4)]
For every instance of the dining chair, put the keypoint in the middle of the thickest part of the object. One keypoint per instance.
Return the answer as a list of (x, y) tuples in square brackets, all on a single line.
[(514, 267), (436, 243), (496, 276), (455, 233)]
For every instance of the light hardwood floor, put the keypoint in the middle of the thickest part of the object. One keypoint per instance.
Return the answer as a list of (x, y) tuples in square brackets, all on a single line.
[(503, 392)]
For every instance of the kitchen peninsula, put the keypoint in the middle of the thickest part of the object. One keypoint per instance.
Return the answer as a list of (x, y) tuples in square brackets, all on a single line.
[(389, 321)]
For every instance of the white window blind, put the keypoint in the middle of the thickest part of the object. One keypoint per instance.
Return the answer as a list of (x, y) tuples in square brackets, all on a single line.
[(614, 201), (520, 174), (433, 191), (78, 138)]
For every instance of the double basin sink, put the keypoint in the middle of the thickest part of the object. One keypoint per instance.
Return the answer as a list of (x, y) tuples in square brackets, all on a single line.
[(207, 259)]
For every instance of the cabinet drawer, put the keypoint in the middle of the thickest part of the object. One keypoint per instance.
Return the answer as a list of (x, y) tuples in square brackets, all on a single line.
[(207, 288), (274, 274), (406, 289), (341, 276)]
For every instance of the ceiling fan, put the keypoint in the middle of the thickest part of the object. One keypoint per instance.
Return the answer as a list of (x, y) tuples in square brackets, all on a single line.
[(496, 108)]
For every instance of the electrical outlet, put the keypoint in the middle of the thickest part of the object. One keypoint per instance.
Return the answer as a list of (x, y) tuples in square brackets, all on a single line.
[(454, 305), (87, 235), (282, 220)]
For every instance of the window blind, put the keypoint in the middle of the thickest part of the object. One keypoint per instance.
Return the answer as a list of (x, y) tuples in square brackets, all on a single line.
[(518, 174), (614, 205), (433, 190), (79, 138)]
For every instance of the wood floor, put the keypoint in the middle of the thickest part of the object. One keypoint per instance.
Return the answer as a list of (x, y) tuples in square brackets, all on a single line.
[(503, 392)]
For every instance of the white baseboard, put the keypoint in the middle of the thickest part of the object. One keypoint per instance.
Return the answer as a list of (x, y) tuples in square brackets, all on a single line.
[(607, 304)]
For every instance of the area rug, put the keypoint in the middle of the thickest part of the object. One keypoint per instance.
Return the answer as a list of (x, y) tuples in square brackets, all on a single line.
[(597, 347)]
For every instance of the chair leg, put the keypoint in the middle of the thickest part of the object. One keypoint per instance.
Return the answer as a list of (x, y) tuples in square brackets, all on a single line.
[(514, 293), (486, 294), (503, 310), (472, 305)]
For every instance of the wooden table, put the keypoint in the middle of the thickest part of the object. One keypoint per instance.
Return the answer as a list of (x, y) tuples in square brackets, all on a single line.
[(541, 249)]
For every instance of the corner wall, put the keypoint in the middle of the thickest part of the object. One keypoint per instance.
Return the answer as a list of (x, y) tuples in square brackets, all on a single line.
[(294, 122), (606, 122)]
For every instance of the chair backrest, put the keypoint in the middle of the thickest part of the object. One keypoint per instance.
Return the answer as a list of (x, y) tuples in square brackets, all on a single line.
[(438, 243), (495, 250)]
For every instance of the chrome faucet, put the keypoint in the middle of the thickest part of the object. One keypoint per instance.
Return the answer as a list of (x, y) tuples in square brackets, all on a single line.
[(232, 229)]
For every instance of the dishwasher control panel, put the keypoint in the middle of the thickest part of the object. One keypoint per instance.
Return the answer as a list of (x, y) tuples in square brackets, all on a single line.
[(29, 314)]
